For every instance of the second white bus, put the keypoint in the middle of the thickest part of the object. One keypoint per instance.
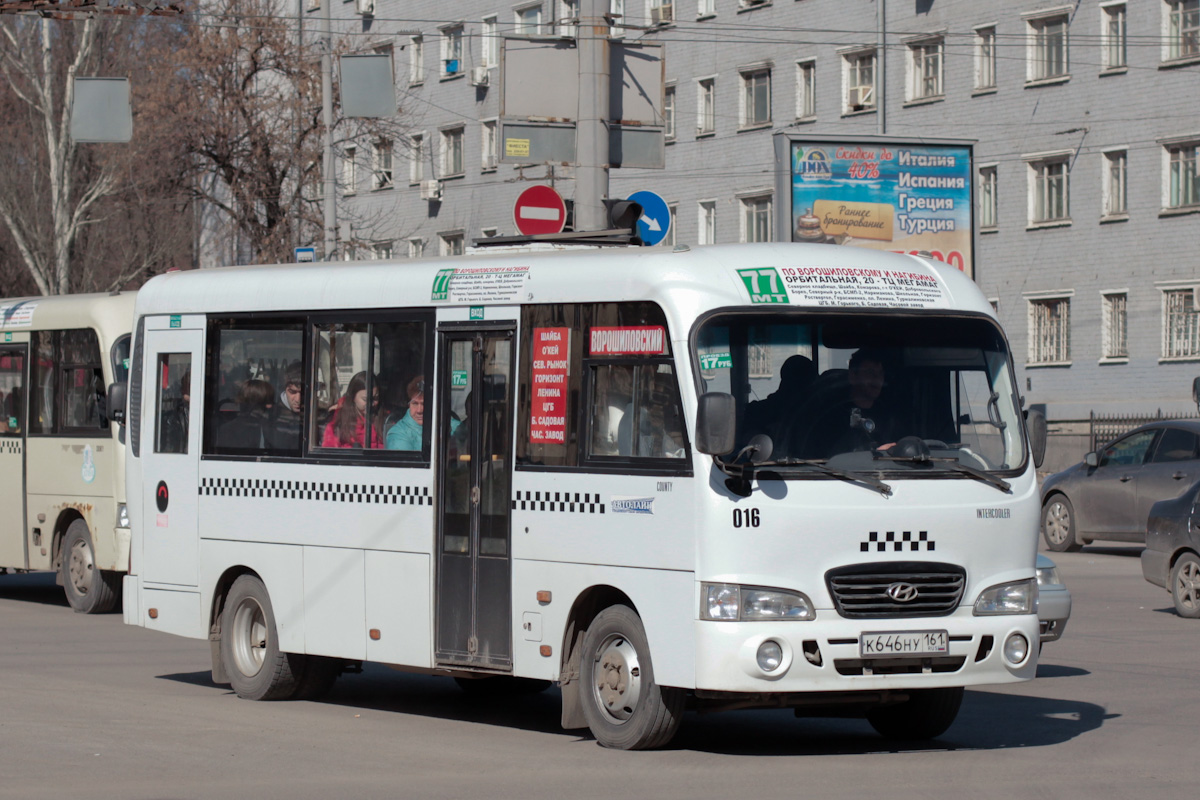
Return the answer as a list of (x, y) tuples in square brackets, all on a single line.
[(725, 477)]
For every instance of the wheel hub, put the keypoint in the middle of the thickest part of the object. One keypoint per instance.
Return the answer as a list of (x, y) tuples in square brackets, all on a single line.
[(617, 678), (80, 566), (1187, 581)]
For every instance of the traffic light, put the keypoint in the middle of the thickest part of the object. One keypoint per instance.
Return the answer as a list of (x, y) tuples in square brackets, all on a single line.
[(624, 214)]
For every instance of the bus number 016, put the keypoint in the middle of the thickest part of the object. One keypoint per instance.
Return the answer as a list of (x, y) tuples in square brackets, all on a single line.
[(745, 518)]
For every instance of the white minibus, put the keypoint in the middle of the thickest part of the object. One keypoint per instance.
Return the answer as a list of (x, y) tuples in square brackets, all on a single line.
[(773, 475), (62, 457)]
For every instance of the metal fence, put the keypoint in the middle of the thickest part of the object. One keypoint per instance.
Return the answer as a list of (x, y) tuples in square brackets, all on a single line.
[(1106, 427)]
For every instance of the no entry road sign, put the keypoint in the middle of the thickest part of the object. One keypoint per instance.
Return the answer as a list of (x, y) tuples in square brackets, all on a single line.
[(539, 209)]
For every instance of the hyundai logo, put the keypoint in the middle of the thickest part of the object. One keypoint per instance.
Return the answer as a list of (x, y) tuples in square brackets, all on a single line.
[(902, 592)]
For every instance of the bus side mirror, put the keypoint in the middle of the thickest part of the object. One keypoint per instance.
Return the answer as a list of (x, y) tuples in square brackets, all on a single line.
[(1196, 392), (715, 421), (1036, 422), (117, 395)]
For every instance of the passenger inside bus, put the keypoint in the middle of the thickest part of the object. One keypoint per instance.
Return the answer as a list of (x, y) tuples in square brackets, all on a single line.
[(347, 427), (173, 436), (773, 414), (408, 433), (659, 426), (283, 429), (249, 429)]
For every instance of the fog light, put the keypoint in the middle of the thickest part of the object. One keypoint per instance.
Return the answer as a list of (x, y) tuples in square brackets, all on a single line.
[(1016, 648), (770, 656)]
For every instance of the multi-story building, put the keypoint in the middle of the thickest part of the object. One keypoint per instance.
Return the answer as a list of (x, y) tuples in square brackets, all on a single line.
[(1084, 117)]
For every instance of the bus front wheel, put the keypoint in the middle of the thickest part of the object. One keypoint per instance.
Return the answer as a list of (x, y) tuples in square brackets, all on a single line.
[(624, 706), (926, 714), (250, 654), (89, 590)]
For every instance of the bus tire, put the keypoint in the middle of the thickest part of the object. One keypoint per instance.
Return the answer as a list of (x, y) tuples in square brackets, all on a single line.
[(88, 590), (926, 714), (257, 669), (624, 706)]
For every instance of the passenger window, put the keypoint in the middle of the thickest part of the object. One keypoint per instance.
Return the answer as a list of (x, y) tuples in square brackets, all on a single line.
[(12, 393), (1175, 445), (82, 382), (635, 412), (44, 365), (173, 407), (371, 392), (255, 384)]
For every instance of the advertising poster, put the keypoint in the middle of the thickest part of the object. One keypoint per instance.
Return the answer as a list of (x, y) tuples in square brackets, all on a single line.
[(906, 198), (551, 360)]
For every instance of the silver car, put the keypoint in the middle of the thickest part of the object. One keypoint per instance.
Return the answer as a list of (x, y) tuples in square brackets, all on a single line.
[(1054, 601)]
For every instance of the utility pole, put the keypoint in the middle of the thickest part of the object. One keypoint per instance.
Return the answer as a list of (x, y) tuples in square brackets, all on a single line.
[(591, 175), (327, 121), (881, 78)]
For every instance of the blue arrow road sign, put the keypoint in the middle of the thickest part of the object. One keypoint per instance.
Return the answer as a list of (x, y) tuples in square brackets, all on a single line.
[(655, 222)]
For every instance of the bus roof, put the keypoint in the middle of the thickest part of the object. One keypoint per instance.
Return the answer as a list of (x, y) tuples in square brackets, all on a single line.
[(686, 281), (110, 313)]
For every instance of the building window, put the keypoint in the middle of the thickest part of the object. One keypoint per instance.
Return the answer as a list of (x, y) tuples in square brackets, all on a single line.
[(706, 8), (349, 170), (489, 44), (859, 73), (452, 51), (669, 113), (662, 12), (381, 164), (925, 69), (707, 233), (489, 233), (616, 10), (705, 110), (756, 219), (806, 90), (1114, 333), (416, 59), (1181, 324), (1183, 181), (988, 207), (1048, 190), (529, 20), (1114, 184), (487, 132), (381, 250), (567, 17), (985, 57), (452, 152), (416, 164), (1183, 28), (1047, 48), (670, 238), (416, 247), (451, 244), (1112, 36), (1049, 330), (756, 98)]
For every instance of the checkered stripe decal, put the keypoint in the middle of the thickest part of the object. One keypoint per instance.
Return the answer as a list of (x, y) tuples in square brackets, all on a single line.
[(571, 502), (317, 490), (10, 447), (896, 541)]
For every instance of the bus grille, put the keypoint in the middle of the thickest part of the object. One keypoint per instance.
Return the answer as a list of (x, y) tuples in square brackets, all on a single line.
[(860, 591)]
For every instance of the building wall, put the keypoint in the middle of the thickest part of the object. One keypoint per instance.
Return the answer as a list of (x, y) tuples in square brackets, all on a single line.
[(1089, 112)]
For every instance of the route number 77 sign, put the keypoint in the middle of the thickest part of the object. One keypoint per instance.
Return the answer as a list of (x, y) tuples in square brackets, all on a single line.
[(764, 285)]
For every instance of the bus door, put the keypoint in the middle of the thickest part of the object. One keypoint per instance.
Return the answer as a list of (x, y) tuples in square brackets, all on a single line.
[(475, 421), (170, 451), (13, 542)]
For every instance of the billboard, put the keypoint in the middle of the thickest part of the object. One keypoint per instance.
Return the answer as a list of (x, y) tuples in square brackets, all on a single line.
[(885, 194)]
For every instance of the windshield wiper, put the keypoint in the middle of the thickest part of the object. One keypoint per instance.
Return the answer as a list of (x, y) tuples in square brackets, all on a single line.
[(951, 463), (852, 477)]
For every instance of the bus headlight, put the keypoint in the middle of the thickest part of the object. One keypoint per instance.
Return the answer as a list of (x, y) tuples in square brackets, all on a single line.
[(1018, 597), (122, 515), (731, 602)]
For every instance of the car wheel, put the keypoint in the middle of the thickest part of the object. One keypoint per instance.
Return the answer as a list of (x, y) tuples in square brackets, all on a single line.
[(250, 654), (88, 590), (1058, 525), (624, 706), (1185, 586), (927, 713)]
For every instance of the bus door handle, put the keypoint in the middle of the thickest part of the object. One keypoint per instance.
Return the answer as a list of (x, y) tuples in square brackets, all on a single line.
[(475, 495)]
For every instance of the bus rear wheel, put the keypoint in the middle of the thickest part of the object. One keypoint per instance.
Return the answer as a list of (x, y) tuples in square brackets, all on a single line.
[(250, 654), (89, 590), (926, 714), (623, 705)]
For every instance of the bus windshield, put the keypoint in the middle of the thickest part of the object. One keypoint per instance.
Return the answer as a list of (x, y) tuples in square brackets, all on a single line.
[(867, 390)]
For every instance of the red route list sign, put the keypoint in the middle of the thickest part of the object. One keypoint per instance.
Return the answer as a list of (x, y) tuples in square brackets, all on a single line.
[(539, 209), (551, 362)]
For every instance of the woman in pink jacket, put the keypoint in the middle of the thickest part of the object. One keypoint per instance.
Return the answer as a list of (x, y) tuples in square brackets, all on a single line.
[(347, 428)]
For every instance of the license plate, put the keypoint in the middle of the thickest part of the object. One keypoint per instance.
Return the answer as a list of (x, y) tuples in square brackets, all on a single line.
[(903, 643)]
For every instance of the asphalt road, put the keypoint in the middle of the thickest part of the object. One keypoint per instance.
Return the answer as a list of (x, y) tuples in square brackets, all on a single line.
[(90, 708)]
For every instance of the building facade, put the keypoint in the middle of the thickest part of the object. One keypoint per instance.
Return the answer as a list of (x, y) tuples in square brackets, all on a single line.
[(1085, 119)]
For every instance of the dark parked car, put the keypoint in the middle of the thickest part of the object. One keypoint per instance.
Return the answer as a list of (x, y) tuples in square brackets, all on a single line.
[(1109, 495), (1172, 555)]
